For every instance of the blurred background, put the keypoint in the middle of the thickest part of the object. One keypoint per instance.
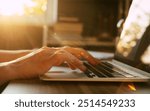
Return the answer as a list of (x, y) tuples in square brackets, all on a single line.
[(90, 24)]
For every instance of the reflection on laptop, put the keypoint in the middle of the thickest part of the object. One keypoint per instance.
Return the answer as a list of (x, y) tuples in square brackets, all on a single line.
[(126, 65)]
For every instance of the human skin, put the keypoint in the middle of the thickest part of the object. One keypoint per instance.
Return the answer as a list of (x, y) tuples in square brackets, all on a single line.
[(32, 63)]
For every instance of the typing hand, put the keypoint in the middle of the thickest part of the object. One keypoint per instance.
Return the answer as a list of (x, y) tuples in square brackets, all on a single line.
[(40, 61)]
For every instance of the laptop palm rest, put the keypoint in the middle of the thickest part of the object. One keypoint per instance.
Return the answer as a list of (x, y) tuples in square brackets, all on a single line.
[(66, 74)]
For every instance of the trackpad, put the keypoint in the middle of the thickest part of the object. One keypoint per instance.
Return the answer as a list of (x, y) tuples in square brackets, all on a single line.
[(61, 73)]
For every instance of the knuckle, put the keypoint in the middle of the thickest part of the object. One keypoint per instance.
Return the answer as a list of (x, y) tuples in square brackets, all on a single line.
[(66, 47), (80, 49), (45, 47), (61, 51)]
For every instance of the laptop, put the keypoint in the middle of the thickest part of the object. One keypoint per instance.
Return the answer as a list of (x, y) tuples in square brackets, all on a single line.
[(127, 65)]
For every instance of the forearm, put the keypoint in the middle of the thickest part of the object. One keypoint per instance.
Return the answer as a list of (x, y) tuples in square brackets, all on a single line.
[(6, 55), (16, 69), (5, 73)]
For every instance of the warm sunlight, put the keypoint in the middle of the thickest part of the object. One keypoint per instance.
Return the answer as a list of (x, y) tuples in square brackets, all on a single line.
[(21, 7), (146, 56)]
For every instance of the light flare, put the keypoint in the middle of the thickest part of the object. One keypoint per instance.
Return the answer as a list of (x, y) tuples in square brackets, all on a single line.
[(131, 87), (17, 7)]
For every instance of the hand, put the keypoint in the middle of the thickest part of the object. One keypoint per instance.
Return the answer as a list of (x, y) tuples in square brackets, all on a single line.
[(40, 61), (81, 54)]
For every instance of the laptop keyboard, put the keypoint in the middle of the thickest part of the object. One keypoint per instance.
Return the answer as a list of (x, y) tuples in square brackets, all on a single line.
[(104, 70), (95, 70)]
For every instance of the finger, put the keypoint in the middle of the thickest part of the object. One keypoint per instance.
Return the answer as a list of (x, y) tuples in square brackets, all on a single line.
[(74, 61), (73, 51), (61, 56), (81, 53), (71, 66), (87, 56)]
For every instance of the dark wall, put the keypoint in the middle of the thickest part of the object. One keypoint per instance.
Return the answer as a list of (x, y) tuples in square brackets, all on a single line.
[(98, 16)]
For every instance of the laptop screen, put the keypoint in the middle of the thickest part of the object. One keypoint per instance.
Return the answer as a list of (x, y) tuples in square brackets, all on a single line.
[(135, 36)]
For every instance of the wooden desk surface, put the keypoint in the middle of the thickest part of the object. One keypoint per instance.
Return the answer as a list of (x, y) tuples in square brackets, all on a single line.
[(40, 87)]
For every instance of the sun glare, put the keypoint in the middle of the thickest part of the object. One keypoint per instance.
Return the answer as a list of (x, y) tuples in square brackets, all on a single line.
[(131, 87), (17, 7)]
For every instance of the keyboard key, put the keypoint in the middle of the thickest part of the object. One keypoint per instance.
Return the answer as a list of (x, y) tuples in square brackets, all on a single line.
[(111, 71), (89, 73), (102, 68), (116, 70), (94, 70)]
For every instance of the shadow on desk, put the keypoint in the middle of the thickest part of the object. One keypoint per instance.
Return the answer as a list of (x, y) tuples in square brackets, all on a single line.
[(37, 86)]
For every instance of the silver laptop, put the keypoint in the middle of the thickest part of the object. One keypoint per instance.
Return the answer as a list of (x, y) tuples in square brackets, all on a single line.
[(127, 65)]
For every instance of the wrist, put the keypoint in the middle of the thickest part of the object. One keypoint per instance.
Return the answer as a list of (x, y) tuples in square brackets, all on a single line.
[(5, 73)]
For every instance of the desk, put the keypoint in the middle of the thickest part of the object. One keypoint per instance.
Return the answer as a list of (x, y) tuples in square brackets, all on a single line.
[(36, 86), (40, 87)]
